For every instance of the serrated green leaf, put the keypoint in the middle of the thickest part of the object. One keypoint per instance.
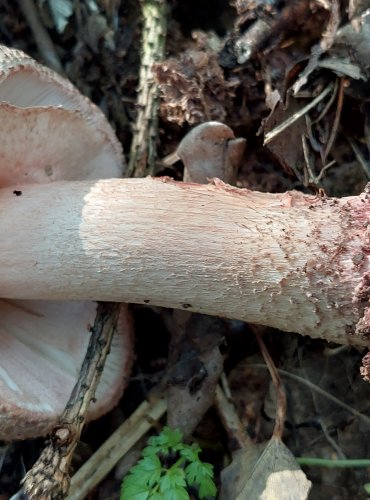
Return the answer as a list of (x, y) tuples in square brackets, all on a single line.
[(155, 496), (197, 471), (168, 438), (176, 493), (150, 463), (191, 453), (201, 475), (149, 469), (146, 472), (173, 478), (207, 488), (133, 491), (149, 451), (191, 473), (173, 436), (205, 469)]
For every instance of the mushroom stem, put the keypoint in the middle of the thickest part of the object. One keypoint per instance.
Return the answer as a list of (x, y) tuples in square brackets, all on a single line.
[(292, 261)]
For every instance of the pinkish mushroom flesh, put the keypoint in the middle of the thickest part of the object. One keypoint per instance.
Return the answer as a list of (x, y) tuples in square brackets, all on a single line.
[(258, 257), (50, 132), (291, 261)]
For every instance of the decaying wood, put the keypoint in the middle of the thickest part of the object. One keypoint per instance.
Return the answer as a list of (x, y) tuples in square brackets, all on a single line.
[(145, 130), (49, 477), (292, 261)]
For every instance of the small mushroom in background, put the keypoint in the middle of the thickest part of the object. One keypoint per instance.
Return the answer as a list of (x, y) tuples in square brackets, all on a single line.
[(50, 132), (209, 150)]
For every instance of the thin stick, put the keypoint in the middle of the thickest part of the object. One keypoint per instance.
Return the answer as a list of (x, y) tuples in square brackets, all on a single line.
[(320, 391), (338, 112), (230, 420), (296, 116), (280, 393), (42, 38), (327, 105), (327, 462), (143, 145), (119, 443), (364, 164), (49, 477), (310, 177)]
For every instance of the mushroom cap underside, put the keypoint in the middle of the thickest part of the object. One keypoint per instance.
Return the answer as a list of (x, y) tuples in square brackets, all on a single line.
[(49, 132), (42, 346)]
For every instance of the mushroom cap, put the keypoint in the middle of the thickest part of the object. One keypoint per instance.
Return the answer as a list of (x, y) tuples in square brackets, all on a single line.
[(43, 145), (49, 132), (210, 150), (43, 344), (46, 101)]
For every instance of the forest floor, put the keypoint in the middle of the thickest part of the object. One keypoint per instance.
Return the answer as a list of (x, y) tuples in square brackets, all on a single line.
[(250, 65)]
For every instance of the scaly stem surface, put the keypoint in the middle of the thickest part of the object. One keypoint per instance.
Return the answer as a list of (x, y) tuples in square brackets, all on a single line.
[(295, 262)]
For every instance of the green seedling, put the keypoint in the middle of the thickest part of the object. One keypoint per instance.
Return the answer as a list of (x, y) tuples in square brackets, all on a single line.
[(167, 470)]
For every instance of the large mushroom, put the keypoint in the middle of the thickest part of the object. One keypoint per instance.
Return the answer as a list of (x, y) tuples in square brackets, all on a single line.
[(292, 261), (50, 132)]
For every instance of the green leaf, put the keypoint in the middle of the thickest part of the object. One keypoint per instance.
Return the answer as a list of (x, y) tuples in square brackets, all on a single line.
[(155, 496), (147, 471), (207, 488), (133, 491), (201, 474), (205, 470), (174, 478), (178, 493), (151, 468), (168, 438), (192, 473), (191, 453), (149, 451), (197, 471), (142, 477), (149, 480)]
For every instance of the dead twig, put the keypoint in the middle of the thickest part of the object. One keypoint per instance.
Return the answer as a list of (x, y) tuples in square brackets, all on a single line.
[(230, 420), (42, 38), (360, 158), (327, 40), (280, 393), (309, 176), (118, 443), (338, 112), (317, 389), (143, 145), (296, 116), (328, 104), (49, 477)]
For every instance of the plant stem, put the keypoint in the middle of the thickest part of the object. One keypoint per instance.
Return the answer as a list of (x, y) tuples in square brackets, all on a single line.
[(327, 462), (144, 140)]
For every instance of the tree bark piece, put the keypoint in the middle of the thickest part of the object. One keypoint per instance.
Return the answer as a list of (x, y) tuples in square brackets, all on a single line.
[(49, 477), (292, 261)]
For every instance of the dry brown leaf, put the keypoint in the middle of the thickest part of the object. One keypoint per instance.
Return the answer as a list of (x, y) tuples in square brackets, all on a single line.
[(287, 146), (265, 473), (351, 44)]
